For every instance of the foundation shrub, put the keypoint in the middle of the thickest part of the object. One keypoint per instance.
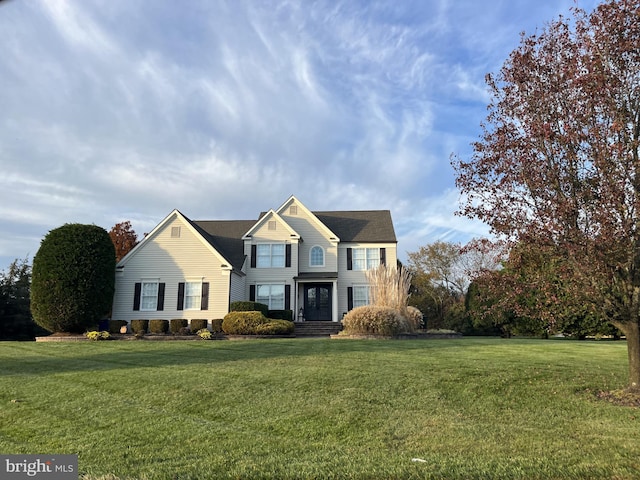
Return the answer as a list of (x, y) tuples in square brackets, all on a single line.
[(374, 320), (198, 324), (158, 326), (243, 323), (415, 318), (249, 307), (178, 325), (275, 327), (116, 325), (139, 326), (216, 325), (281, 315)]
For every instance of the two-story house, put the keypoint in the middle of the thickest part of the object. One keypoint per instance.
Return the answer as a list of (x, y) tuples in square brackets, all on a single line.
[(313, 263)]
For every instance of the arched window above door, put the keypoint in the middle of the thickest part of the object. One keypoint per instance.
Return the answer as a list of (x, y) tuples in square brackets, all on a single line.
[(316, 256)]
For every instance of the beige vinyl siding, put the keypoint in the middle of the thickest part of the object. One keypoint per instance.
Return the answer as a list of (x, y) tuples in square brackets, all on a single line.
[(349, 278), (313, 234), (276, 275), (172, 260), (237, 293)]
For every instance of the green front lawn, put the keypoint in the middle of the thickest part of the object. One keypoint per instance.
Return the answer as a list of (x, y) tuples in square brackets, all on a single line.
[(316, 408)]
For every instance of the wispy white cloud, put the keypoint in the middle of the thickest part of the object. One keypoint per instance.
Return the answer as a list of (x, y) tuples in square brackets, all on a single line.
[(115, 110)]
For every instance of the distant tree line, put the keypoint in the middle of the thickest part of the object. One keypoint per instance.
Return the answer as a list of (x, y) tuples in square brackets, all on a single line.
[(463, 288)]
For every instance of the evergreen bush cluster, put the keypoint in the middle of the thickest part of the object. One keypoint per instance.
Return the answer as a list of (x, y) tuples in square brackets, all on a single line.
[(254, 323), (249, 307), (139, 326)]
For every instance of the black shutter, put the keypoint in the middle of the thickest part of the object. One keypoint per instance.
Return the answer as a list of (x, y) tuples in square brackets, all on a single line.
[(383, 256), (252, 293), (287, 297), (160, 305), (349, 259), (180, 296), (204, 303), (287, 261), (253, 256), (137, 292), (349, 298)]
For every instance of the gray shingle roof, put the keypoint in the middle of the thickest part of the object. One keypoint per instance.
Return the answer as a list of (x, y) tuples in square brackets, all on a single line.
[(226, 237), (370, 226)]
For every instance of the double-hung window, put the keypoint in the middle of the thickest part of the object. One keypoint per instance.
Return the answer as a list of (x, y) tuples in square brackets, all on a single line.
[(192, 295), (366, 258), (270, 255), (149, 296), (271, 295), (360, 295)]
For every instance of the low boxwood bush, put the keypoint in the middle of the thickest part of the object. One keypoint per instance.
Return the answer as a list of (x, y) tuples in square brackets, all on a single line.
[(116, 325), (243, 323), (374, 320), (178, 325), (216, 325), (198, 324), (281, 315), (158, 326), (249, 307), (139, 326), (275, 327)]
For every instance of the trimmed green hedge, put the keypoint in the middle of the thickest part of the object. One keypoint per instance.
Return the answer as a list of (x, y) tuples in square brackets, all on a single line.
[(198, 324), (139, 326), (249, 307), (216, 325), (281, 315), (242, 323), (254, 323), (178, 325), (275, 327), (158, 326)]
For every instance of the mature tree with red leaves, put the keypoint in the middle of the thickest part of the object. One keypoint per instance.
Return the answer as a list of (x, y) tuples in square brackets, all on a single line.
[(124, 238), (557, 167)]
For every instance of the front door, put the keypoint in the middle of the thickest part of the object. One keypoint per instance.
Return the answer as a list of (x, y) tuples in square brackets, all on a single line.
[(317, 301)]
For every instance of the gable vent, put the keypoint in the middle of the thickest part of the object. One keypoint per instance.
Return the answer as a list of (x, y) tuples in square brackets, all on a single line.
[(175, 232), (293, 210), (272, 225)]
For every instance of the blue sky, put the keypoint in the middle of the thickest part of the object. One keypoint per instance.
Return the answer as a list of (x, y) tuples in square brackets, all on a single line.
[(119, 110)]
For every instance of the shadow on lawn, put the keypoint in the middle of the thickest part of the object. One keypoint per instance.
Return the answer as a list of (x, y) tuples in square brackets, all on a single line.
[(17, 358)]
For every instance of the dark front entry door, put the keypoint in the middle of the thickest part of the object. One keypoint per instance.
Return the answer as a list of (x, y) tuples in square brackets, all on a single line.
[(317, 301)]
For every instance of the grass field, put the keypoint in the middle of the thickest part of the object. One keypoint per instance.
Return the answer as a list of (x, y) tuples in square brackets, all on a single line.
[(316, 408)]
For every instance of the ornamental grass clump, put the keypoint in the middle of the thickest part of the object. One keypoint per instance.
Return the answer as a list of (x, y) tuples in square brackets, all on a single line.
[(389, 287), (374, 320)]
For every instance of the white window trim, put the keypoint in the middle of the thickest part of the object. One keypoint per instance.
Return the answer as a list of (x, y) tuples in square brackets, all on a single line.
[(148, 281), (368, 289), (323, 256), (272, 285), (366, 258), (186, 282), (271, 244)]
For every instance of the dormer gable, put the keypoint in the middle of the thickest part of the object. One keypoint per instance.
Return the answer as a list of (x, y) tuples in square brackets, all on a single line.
[(294, 207), (272, 222), (176, 232)]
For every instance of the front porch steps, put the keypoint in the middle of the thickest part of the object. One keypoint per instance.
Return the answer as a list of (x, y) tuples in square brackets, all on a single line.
[(317, 329)]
